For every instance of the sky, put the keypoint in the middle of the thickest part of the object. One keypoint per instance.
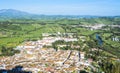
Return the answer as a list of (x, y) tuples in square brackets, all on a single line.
[(65, 7)]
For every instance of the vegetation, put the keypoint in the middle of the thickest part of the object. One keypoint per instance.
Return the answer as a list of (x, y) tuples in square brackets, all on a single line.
[(15, 31)]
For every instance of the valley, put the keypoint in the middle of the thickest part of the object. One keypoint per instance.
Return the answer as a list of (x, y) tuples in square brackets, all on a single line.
[(60, 44)]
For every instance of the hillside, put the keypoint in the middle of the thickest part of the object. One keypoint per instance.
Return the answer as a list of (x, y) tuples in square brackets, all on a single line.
[(7, 14)]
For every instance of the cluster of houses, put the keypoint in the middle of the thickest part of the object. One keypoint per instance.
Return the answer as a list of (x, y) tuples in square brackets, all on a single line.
[(47, 60), (91, 27), (34, 57), (46, 41)]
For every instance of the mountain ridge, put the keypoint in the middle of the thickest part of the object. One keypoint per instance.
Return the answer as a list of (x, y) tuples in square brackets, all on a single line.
[(17, 14)]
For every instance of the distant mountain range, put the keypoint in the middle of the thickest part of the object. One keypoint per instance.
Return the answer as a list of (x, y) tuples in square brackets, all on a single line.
[(14, 14), (6, 14)]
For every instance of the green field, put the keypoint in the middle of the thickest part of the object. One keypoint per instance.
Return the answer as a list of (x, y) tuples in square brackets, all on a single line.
[(14, 32)]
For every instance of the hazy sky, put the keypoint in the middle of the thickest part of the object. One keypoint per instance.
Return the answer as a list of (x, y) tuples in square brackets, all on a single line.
[(64, 7)]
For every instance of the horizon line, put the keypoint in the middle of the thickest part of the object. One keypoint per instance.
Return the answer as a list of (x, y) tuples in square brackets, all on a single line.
[(61, 14)]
